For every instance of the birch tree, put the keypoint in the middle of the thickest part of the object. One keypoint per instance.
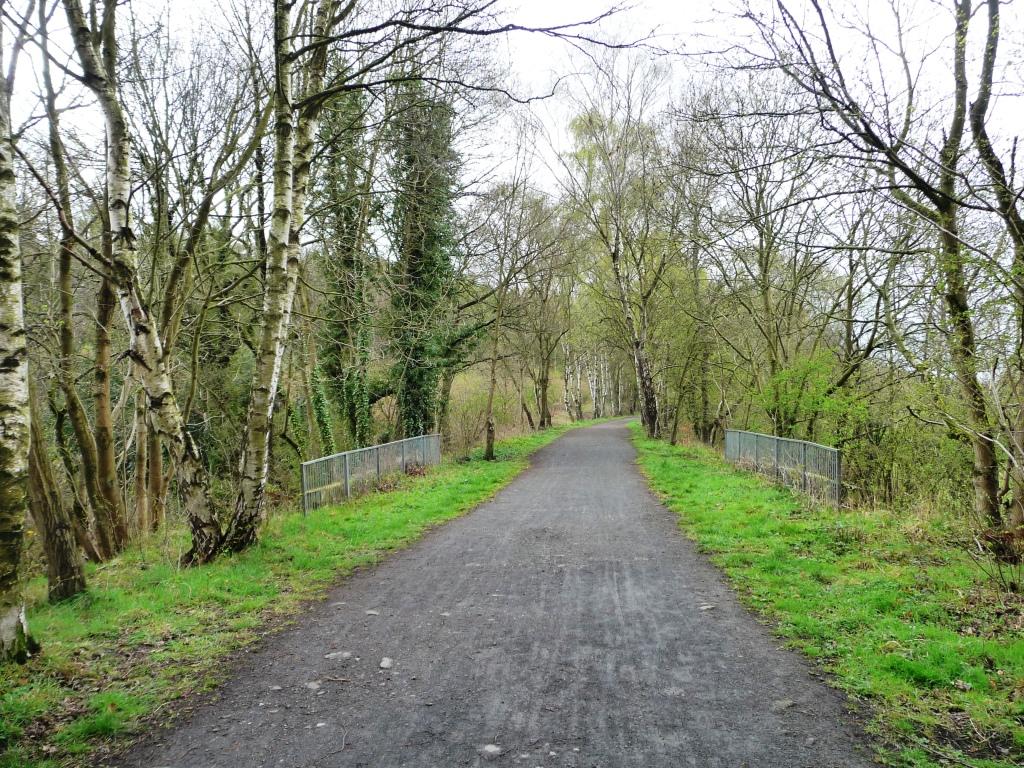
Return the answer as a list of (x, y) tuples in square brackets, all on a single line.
[(96, 49), (294, 134), (15, 641), (616, 183)]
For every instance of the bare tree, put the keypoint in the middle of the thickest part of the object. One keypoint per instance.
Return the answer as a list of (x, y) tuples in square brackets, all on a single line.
[(15, 641), (615, 178)]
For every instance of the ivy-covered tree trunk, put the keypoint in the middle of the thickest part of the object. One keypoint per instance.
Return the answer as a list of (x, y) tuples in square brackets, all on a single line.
[(444, 402), (347, 210), (425, 168), (15, 641)]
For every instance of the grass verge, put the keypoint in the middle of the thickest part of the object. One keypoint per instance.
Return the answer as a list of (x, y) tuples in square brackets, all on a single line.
[(148, 634), (890, 604)]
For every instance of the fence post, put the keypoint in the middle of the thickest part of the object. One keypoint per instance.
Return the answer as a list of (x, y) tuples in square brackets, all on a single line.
[(777, 475), (803, 466), (839, 477), (376, 452), (305, 501), (403, 456), (347, 494)]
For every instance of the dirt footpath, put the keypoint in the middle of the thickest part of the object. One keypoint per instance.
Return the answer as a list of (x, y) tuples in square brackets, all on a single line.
[(565, 623)]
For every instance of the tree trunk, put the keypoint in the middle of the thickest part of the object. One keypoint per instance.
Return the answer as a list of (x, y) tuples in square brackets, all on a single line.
[(566, 388), (110, 518), (1008, 200), (293, 155), (578, 394), (522, 401), (146, 348), (491, 386), (157, 485), (64, 572), (617, 385), (249, 503), (952, 267), (143, 522), (675, 417), (444, 400), (84, 437), (641, 364), (15, 642), (102, 548), (543, 402), (593, 367), (315, 446), (80, 518), (962, 348)]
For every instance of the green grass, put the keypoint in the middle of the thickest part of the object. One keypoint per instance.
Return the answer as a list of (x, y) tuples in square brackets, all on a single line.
[(148, 633), (888, 603)]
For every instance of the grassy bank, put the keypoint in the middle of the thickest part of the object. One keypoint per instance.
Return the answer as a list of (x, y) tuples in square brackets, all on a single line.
[(148, 634), (890, 604)]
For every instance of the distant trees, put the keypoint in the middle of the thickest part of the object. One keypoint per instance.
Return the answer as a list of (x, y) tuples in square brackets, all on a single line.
[(616, 180)]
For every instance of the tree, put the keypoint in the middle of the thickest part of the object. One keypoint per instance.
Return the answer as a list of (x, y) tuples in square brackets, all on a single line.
[(64, 570), (346, 208), (294, 134), (424, 172), (15, 641), (96, 49), (514, 237), (924, 179), (615, 178)]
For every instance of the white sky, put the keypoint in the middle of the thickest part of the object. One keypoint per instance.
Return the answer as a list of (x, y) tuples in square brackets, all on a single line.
[(534, 62)]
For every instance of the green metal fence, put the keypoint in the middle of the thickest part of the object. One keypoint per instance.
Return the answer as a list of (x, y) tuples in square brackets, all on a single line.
[(814, 469), (333, 479)]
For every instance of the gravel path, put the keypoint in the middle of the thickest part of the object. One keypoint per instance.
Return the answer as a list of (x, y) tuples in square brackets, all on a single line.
[(565, 623)]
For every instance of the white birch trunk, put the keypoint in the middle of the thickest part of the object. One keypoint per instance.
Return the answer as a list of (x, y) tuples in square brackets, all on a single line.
[(293, 153), (146, 348), (15, 643)]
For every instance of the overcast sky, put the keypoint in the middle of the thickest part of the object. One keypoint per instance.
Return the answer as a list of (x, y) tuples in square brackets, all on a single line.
[(688, 27)]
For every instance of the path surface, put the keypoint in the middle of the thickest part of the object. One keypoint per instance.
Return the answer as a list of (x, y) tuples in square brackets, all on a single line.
[(560, 623)]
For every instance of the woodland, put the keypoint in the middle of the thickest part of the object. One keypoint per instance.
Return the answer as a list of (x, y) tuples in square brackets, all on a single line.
[(325, 224)]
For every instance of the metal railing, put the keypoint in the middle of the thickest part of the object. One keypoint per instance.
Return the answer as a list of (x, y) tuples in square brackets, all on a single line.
[(815, 469), (333, 479)]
